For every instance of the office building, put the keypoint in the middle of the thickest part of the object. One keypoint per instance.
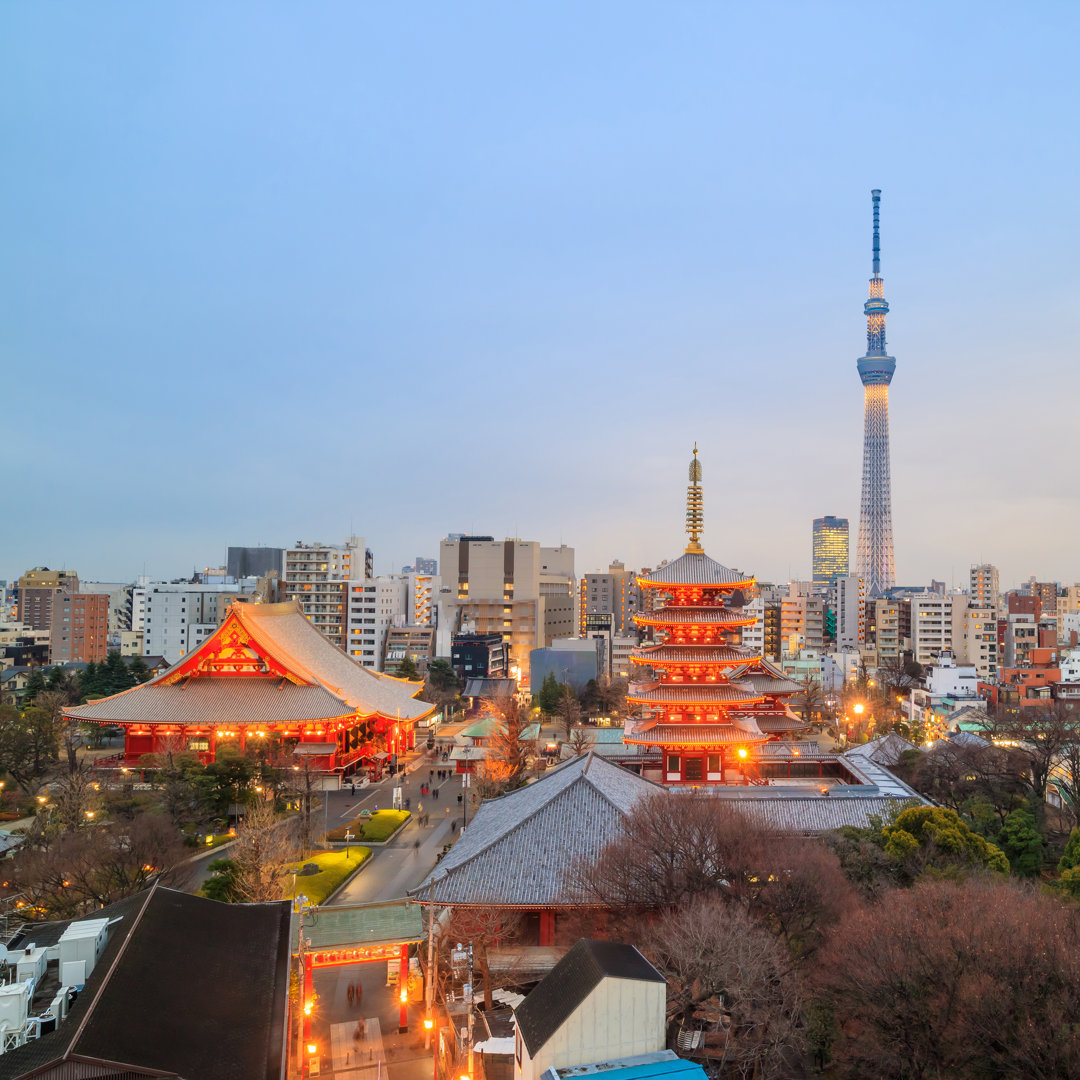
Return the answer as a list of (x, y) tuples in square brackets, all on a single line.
[(850, 611), (374, 606), (79, 628), (613, 592), (37, 590), (242, 562), (830, 550)]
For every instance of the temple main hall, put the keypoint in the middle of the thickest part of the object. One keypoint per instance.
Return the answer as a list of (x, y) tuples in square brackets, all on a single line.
[(267, 679), (706, 701)]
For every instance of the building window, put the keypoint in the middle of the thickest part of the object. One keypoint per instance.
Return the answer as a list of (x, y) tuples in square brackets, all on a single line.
[(674, 763)]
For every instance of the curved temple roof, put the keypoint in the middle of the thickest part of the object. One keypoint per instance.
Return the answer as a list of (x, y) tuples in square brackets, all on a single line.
[(302, 677)]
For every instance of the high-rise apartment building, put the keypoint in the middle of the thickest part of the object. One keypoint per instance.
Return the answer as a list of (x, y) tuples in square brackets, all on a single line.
[(37, 590), (512, 587), (375, 605), (888, 627), (1047, 592), (830, 549), (937, 625), (802, 619), (615, 592), (79, 628), (765, 634), (850, 611), (875, 564), (318, 576), (983, 590)]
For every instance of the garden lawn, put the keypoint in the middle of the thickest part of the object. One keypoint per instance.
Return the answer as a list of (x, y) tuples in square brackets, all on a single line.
[(334, 868), (376, 829)]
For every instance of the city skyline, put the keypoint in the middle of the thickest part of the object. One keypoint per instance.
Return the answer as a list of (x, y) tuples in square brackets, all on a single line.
[(217, 224)]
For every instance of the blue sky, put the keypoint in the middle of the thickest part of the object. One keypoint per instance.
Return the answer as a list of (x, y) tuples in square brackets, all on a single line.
[(280, 271)]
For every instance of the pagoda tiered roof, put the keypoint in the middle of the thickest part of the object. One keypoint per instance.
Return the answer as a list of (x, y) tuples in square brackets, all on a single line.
[(703, 735), (695, 568), (727, 693), (671, 655), (702, 615)]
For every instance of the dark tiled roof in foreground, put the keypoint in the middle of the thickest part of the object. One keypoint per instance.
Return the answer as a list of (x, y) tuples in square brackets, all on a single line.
[(572, 980), (695, 568), (186, 986), (817, 813), (519, 848)]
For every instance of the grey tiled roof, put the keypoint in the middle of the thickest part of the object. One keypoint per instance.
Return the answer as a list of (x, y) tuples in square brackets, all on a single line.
[(817, 814), (250, 701), (766, 683), (696, 568), (708, 615), (519, 848)]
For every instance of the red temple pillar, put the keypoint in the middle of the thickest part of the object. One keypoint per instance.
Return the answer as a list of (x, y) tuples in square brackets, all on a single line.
[(403, 991), (547, 927)]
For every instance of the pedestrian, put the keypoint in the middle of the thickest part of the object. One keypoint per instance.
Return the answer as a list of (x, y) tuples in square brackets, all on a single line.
[(359, 994), (350, 993), (408, 803), (448, 811), (435, 793), (352, 787), (430, 774)]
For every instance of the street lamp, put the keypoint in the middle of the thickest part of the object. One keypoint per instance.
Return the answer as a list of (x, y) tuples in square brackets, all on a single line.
[(348, 836)]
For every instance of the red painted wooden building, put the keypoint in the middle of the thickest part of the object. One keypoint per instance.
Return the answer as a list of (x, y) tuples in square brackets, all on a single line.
[(269, 679)]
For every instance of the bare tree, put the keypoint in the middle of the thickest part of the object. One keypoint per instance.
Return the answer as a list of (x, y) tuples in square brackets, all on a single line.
[(81, 870), (723, 968), (265, 845), (962, 980), (568, 709), (53, 702), (581, 740), (482, 928), (811, 697), (1041, 737)]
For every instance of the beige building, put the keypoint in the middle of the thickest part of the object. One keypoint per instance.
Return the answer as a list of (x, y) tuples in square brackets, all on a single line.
[(515, 588), (37, 590), (937, 625), (802, 619), (983, 590), (888, 629), (978, 641)]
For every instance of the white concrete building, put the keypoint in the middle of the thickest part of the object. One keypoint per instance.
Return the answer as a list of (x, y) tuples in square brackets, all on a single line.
[(176, 618), (374, 605), (850, 611), (602, 1001)]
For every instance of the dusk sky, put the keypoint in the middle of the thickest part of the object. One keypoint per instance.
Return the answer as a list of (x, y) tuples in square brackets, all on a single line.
[(288, 271)]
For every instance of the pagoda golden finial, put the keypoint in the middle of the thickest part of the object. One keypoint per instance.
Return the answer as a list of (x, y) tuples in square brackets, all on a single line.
[(695, 516)]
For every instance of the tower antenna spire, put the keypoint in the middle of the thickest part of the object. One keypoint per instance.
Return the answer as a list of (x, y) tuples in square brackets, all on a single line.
[(695, 515), (875, 194)]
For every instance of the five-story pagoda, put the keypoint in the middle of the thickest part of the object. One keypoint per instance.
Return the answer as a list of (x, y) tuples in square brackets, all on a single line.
[(713, 699)]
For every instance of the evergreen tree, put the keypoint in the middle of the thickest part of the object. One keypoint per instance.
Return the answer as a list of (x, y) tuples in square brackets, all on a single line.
[(139, 671), (56, 680), (1071, 856), (35, 684), (116, 675), (92, 683), (407, 669), (548, 698), (1022, 844)]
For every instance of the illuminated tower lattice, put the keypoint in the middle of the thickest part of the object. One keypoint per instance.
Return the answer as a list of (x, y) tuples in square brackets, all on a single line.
[(875, 554)]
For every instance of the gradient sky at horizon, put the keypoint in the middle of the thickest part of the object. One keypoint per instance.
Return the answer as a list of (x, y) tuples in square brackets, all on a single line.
[(273, 272)]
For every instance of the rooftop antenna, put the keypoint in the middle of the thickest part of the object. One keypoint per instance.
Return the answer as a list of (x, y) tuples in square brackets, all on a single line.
[(875, 194)]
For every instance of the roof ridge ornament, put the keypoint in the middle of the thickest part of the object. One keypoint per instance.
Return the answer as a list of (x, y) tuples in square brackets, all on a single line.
[(695, 515)]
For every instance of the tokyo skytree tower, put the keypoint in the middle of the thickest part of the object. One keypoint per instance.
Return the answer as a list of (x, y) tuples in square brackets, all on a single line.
[(875, 555)]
